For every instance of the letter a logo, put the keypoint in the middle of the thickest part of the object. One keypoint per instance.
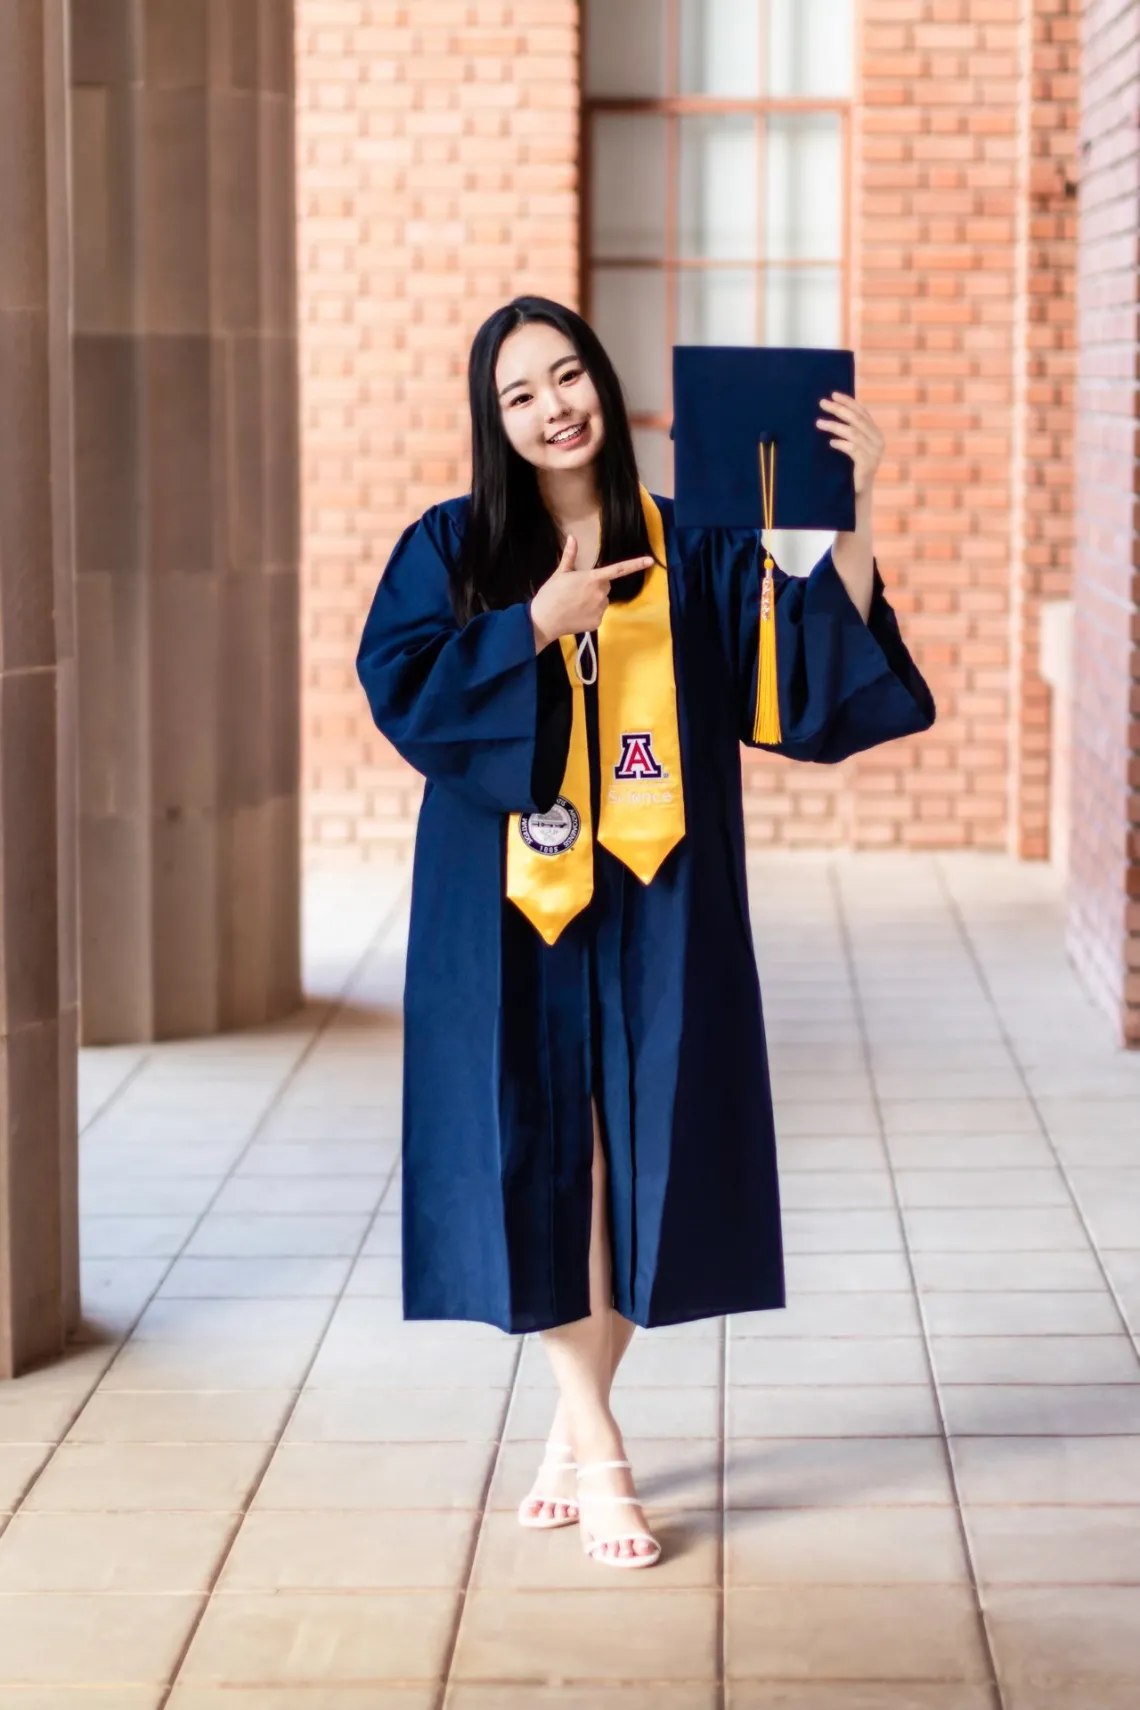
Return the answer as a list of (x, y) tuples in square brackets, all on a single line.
[(637, 757)]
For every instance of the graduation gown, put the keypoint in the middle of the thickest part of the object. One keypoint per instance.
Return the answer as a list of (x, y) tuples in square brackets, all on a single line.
[(649, 1001)]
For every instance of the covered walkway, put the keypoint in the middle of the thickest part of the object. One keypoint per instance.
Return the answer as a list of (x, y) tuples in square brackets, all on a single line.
[(252, 1488)]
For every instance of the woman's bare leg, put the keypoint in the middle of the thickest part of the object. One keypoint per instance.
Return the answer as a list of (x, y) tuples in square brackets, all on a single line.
[(585, 1356), (621, 1335)]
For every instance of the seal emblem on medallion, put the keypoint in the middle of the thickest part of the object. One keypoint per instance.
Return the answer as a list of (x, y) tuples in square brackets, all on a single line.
[(553, 832)]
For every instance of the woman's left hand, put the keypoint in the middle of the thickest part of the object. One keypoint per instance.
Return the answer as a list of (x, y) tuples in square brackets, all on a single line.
[(854, 433)]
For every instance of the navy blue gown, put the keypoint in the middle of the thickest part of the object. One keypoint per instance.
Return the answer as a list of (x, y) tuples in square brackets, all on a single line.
[(649, 1002)]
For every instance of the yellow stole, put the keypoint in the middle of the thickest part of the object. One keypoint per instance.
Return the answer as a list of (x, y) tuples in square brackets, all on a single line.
[(550, 856)]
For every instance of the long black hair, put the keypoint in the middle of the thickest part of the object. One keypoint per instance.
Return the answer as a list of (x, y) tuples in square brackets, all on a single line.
[(511, 543)]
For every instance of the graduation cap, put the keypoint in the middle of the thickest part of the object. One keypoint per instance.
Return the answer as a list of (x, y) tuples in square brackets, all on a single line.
[(727, 402), (747, 454)]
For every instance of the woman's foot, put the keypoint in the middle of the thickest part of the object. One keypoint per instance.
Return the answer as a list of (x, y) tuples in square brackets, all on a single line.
[(552, 1501), (614, 1528)]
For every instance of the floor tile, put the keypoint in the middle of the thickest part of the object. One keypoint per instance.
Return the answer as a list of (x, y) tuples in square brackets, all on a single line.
[(842, 1695), (90, 1477), (901, 1411), (593, 1697), (1046, 1635), (19, 1464), (351, 1361), (1033, 1313), (588, 1635), (398, 1415), (334, 1550), (134, 1237), (393, 1475), (1004, 1410), (825, 1361), (329, 1236), (83, 1697), (841, 1190), (1050, 1470), (172, 1416), (844, 1546), (825, 1472), (261, 1195), (321, 1638), (1007, 1229), (837, 1273), (372, 1697), (812, 1315), (846, 1232), (929, 1152), (376, 1275), (1055, 1273), (233, 1322), (1056, 1546), (322, 1159), (206, 1365), (853, 1633), (77, 1639), (123, 1552), (916, 1116), (105, 1193), (510, 1557), (234, 1279), (981, 1189), (1035, 1359)]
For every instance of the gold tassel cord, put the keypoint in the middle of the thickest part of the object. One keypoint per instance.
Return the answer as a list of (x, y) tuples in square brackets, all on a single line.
[(766, 724)]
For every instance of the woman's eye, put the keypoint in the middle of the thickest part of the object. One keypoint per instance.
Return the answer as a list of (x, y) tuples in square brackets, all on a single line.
[(571, 375), (519, 398)]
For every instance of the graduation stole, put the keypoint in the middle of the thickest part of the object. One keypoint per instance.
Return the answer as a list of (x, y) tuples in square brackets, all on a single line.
[(550, 856)]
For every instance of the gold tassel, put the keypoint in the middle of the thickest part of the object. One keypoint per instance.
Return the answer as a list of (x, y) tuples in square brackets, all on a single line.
[(766, 724)]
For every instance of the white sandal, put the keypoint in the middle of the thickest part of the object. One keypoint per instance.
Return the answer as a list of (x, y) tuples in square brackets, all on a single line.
[(592, 1543), (559, 1457)]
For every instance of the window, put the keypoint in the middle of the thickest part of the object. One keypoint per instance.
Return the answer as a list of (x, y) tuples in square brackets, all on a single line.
[(715, 204)]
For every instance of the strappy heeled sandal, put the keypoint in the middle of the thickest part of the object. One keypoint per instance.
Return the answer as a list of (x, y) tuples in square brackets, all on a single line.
[(592, 1543), (559, 1457)]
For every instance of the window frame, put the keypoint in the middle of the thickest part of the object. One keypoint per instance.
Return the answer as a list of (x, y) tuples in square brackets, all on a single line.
[(673, 108)]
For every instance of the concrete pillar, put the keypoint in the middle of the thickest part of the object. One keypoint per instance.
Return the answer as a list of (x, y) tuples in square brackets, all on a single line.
[(67, 683), (186, 468), (32, 1305)]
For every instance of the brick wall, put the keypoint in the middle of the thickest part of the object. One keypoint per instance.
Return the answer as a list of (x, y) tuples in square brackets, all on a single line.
[(437, 147), (1044, 405), (1104, 891), (438, 167)]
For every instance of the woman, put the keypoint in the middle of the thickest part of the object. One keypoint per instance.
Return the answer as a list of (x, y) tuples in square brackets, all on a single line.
[(588, 1140)]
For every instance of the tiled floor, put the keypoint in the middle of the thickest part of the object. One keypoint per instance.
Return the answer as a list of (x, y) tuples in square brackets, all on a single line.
[(253, 1488)]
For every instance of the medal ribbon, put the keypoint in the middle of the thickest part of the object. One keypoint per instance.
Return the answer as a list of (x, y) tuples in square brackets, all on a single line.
[(550, 857)]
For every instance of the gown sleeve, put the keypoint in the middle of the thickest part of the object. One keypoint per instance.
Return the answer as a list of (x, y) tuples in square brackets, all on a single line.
[(845, 685), (474, 709)]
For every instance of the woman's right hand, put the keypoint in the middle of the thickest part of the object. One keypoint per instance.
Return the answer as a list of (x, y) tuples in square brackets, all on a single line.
[(572, 601)]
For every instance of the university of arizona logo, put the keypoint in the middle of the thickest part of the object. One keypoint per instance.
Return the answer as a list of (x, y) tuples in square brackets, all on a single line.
[(554, 832), (638, 760)]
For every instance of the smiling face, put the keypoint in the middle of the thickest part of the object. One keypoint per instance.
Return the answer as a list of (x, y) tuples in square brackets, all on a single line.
[(550, 410)]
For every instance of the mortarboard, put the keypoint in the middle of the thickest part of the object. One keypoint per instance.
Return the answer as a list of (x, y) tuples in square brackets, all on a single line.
[(727, 400), (747, 454)]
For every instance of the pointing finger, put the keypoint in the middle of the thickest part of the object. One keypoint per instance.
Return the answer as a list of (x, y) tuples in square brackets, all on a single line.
[(628, 567), (569, 555)]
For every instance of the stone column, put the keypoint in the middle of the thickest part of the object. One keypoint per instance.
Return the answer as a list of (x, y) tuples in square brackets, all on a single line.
[(31, 1265), (186, 514), (67, 687)]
